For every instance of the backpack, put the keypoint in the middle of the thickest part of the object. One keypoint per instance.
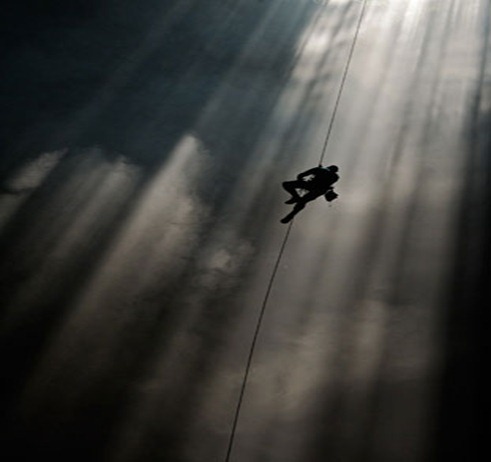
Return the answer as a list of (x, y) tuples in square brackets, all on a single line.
[(330, 195)]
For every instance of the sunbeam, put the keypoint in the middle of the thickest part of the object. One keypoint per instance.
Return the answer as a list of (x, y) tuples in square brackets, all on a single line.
[(139, 230)]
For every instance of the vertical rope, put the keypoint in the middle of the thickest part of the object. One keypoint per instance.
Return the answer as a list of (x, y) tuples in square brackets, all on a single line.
[(253, 344), (282, 249), (343, 80)]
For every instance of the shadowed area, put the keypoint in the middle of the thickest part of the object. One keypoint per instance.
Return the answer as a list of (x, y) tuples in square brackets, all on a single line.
[(143, 150)]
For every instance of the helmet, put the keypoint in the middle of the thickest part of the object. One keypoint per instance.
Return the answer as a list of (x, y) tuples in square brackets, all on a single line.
[(333, 168)]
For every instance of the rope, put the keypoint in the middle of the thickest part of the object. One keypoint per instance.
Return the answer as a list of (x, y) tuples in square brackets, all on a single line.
[(343, 80), (254, 341), (282, 249)]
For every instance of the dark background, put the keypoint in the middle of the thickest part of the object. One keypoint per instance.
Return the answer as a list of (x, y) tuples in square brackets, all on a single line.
[(118, 85)]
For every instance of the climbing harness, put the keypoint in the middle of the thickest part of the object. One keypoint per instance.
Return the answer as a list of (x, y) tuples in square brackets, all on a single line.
[(284, 242)]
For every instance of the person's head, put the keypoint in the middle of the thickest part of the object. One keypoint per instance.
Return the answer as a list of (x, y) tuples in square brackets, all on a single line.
[(333, 168)]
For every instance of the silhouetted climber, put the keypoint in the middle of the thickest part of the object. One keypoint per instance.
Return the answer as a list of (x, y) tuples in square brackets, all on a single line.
[(316, 182)]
